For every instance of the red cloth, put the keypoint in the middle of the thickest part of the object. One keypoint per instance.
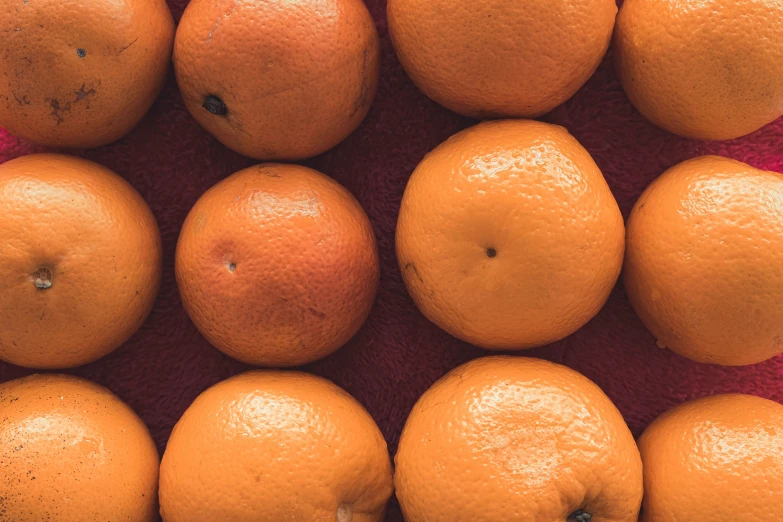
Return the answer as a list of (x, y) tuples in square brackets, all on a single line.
[(399, 354)]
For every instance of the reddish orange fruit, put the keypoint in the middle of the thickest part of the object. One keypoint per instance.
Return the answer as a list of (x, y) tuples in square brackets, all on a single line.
[(275, 79), (71, 450), (717, 457), (271, 445), (704, 261), (277, 265), (502, 58), (506, 438), (508, 235), (81, 74), (708, 69), (80, 261)]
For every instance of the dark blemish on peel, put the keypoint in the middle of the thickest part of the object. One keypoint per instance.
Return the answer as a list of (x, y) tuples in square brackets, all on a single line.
[(58, 110), (316, 313), (362, 98), (215, 105), (82, 94), (491, 253), (123, 49), (81, 53), (21, 101), (411, 266)]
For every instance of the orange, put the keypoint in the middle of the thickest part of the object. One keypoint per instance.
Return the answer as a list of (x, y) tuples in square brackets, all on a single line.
[(708, 69), (277, 265), (511, 438), (81, 74), (71, 450), (508, 236), (704, 261), (716, 458), (272, 446), (80, 261), (503, 58), (277, 79)]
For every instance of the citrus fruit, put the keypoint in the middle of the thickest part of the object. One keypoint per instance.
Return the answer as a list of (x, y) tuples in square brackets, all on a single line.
[(512, 438), (717, 457), (277, 265), (81, 74), (71, 450), (275, 79), (273, 446), (508, 235), (704, 261), (80, 261), (502, 58), (709, 69)]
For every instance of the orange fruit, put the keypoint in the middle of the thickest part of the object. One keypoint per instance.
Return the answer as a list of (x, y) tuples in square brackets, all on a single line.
[(511, 438), (717, 457), (273, 446), (275, 79), (707, 70), (502, 58), (508, 236), (704, 261), (71, 450), (277, 265), (80, 261), (81, 74)]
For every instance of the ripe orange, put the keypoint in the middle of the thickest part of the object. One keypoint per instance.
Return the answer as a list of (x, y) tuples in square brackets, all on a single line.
[(81, 74), (716, 458), (277, 265), (271, 445), (503, 58), (80, 261), (704, 261), (71, 450), (511, 438), (275, 79), (708, 70), (508, 236)]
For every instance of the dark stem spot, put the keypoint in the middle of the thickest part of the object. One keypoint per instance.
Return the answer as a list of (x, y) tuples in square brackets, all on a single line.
[(81, 53), (232, 267), (491, 252), (579, 516), (42, 278), (215, 105)]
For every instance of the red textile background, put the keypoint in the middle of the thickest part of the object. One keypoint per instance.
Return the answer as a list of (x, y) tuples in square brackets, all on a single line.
[(398, 354)]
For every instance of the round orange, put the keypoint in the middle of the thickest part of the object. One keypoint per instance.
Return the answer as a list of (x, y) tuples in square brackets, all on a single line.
[(717, 457), (704, 261), (274, 446), (81, 74), (511, 438), (71, 450), (508, 235), (709, 69), (503, 58), (277, 265), (80, 261), (275, 79)]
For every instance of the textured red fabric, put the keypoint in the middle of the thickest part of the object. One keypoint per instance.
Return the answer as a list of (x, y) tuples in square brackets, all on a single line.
[(399, 354)]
